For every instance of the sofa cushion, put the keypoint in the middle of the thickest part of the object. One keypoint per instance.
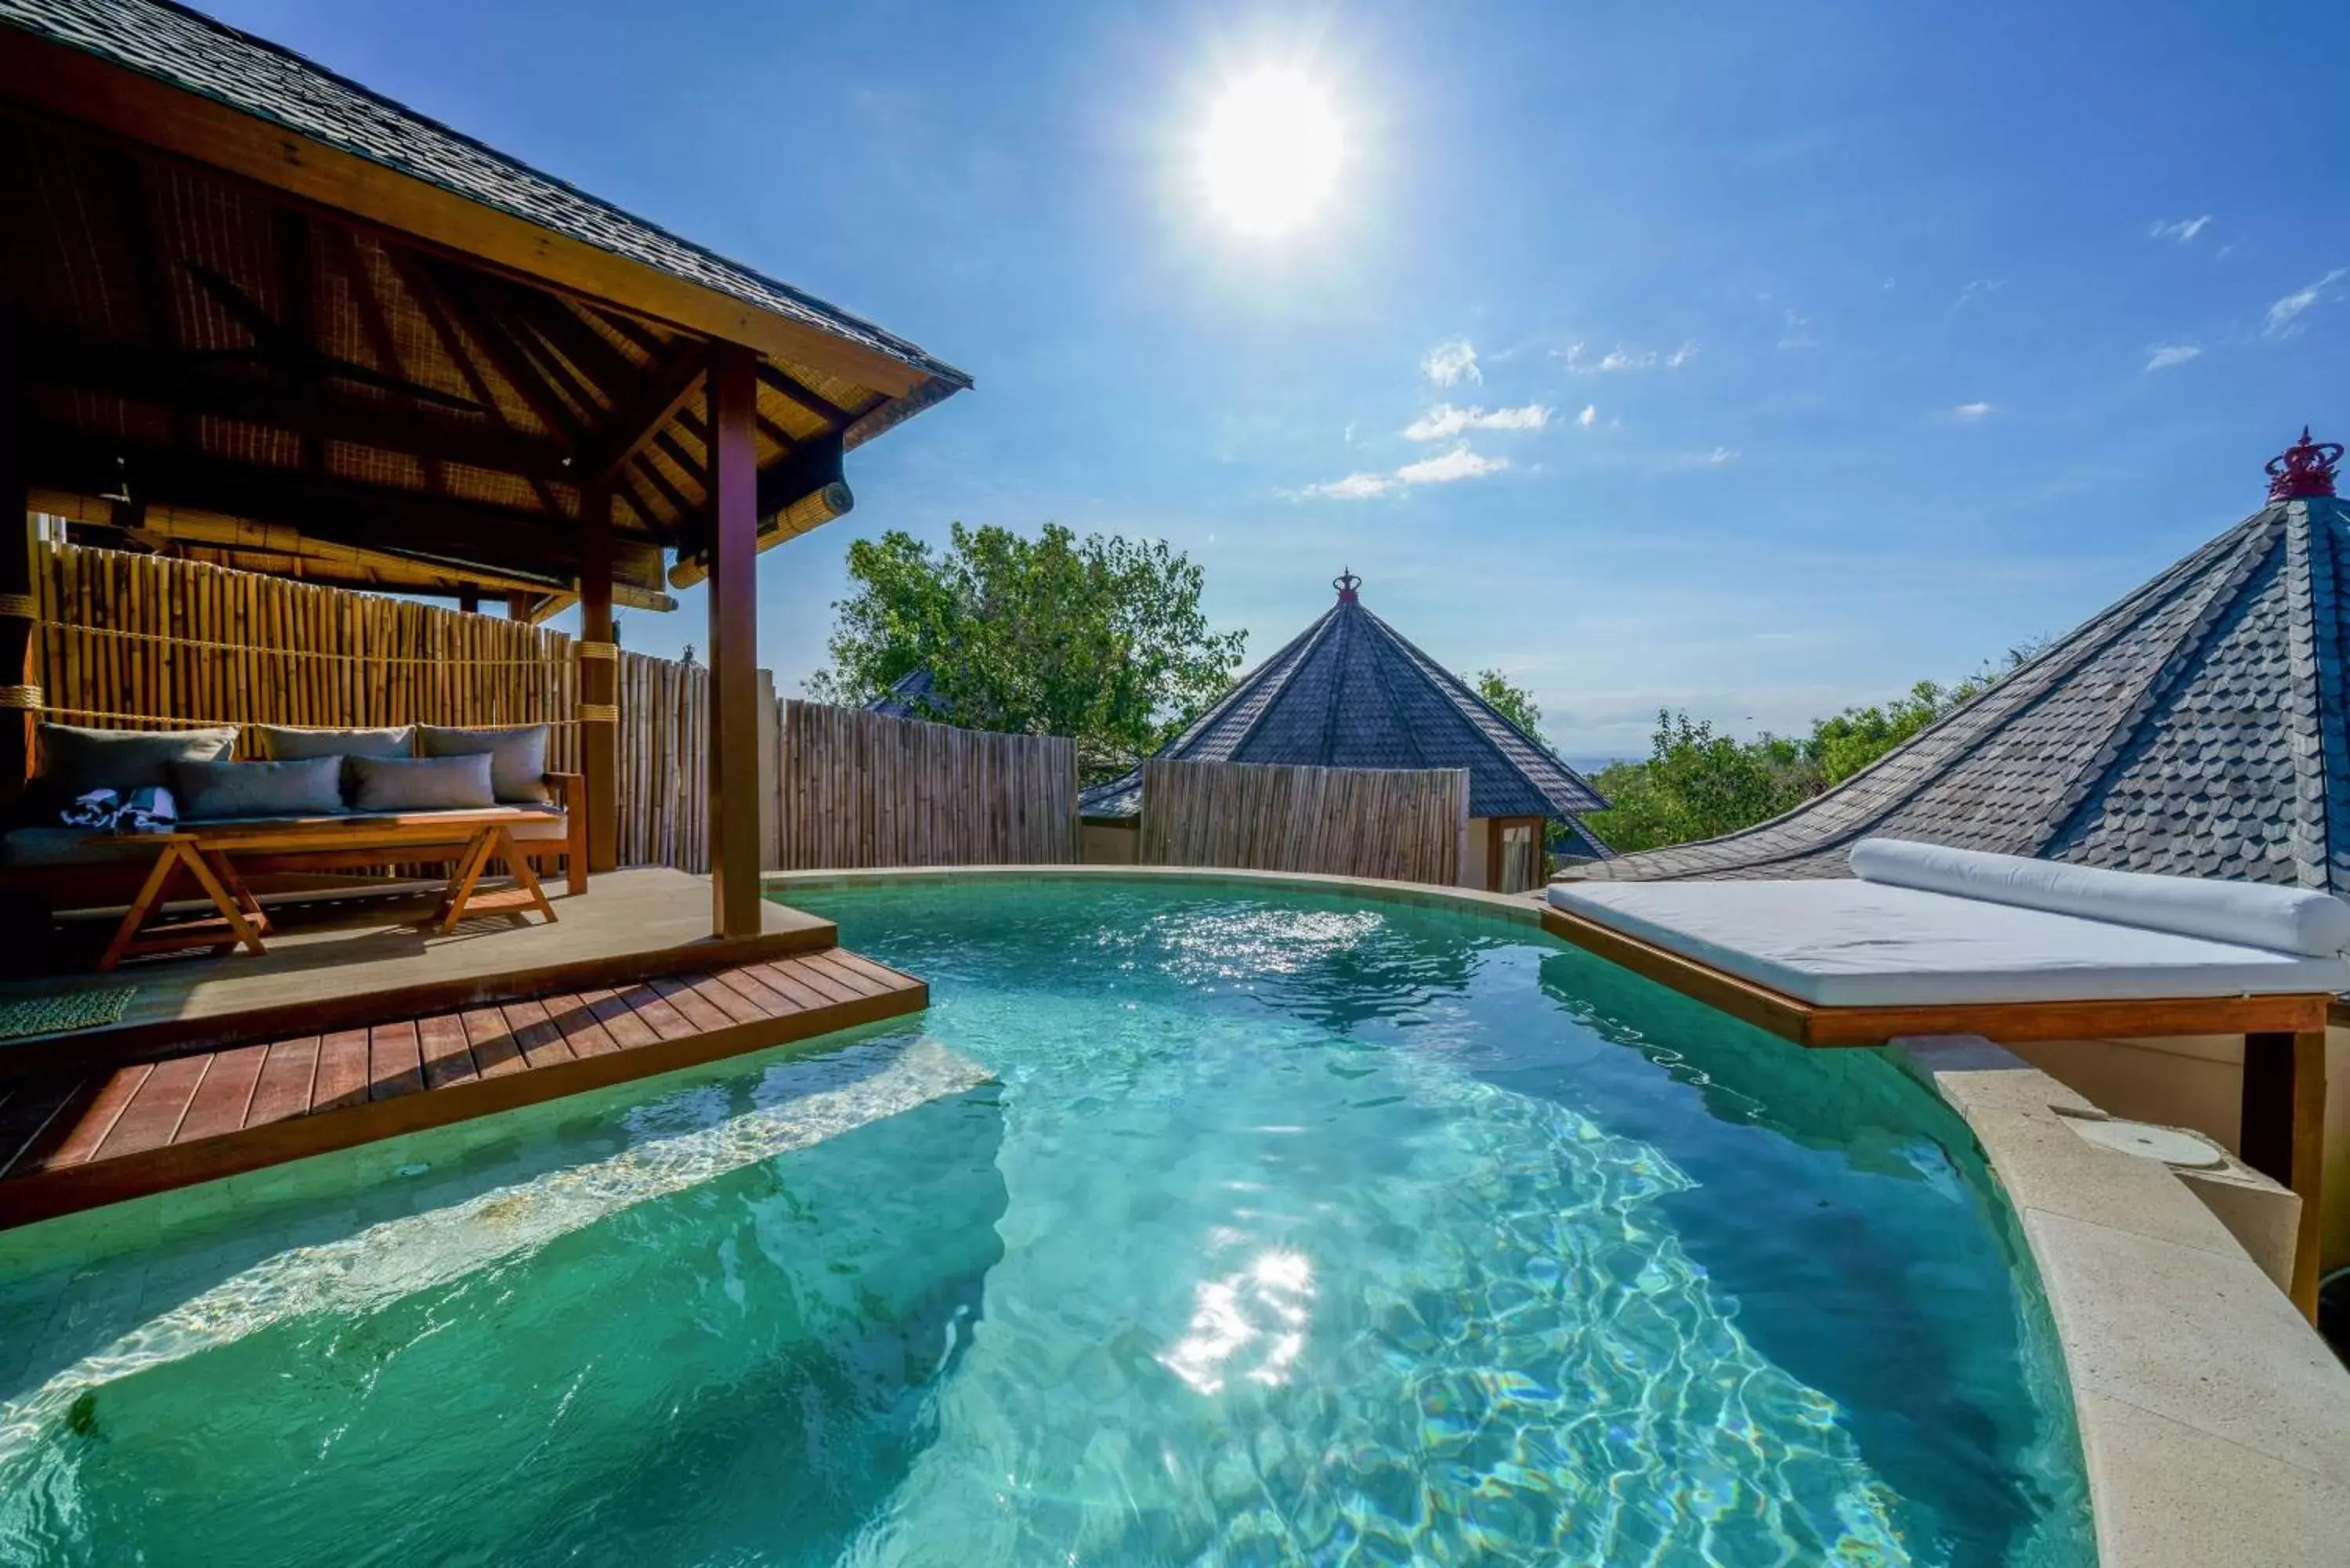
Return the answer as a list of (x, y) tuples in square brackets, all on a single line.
[(75, 760), (218, 791), (283, 744), (422, 783), (517, 754)]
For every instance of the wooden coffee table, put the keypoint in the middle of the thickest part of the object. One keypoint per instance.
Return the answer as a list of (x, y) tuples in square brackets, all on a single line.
[(206, 857)]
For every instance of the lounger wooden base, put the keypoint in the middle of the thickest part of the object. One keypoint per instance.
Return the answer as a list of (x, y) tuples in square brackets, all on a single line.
[(2283, 1117)]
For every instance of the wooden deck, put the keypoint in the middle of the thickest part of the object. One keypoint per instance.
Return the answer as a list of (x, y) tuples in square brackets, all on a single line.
[(75, 1139), (347, 965)]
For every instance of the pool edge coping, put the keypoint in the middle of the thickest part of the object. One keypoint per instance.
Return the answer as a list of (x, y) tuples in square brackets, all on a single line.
[(2147, 1290)]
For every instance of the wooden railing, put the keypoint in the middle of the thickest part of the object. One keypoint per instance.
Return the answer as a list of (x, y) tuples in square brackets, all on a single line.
[(1352, 822)]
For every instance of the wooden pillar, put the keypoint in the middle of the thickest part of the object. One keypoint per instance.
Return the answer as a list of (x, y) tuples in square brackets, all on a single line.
[(599, 681), (18, 702), (2283, 1135), (519, 606), (733, 636)]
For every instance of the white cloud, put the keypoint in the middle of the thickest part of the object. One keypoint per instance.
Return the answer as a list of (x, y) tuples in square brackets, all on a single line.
[(2283, 314), (1976, 289), (1972, 411), (1714, 459), (1354, 487), (1589, 416), (1448, 363), (1622, 359), (2182, 231), (1797, 333), (1445, 467), (2163, 355), (1445, 420)]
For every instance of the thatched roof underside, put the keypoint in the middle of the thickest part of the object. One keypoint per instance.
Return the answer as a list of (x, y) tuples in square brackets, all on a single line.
[(255, 381)]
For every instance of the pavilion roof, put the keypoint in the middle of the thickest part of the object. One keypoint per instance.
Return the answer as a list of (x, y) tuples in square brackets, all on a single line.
[(2196, 727), (305, 328), (1350, 691)]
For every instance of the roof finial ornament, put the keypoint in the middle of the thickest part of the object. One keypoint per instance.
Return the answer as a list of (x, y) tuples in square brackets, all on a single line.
[(2303, 468), (1346, 582)]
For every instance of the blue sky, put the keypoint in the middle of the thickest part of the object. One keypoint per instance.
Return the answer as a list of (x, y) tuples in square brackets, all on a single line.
[(1906, 331)]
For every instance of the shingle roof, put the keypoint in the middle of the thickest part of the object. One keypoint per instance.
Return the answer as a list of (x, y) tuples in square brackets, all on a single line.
[(190, 50), (913, 695), (2196, 728), (1351, 692)]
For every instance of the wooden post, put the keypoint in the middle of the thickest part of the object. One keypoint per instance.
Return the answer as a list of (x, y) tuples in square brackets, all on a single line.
[(19, 607), (733, 636), (599, 680), (2282, 1133)]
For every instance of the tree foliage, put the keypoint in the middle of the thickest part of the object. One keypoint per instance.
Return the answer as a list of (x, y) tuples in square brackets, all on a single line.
[(1697, 782), (1514, 703), (1100, 638)]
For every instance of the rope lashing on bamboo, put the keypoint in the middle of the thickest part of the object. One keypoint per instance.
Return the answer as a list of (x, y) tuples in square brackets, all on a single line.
[(40, 707), (598, 712), (608, 651), (28, 697), (23, 607), (452, 662)]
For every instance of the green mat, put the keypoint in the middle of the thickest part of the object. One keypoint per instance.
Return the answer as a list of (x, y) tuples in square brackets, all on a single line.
[(56, 1014)]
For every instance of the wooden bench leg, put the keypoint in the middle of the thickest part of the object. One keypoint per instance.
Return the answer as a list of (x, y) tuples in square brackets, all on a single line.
[(461, 880), (219, 895), (149, 899), (525, 877), (225, 870)]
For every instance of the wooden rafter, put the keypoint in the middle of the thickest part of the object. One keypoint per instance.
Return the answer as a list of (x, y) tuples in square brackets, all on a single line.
[(645, 419), (378, 331), (823, 408)]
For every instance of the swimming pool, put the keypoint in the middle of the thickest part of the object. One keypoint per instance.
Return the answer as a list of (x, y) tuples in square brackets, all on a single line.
[(1192, 1224)]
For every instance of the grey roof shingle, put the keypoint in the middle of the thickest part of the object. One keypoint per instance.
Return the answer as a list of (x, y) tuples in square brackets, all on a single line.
[(191, 51), (1351, 692), (2195, 728)]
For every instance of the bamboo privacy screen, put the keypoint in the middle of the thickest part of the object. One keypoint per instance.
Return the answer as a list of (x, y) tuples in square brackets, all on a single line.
[(664, 763), (1353, 822), (864, 789), (147, 642)]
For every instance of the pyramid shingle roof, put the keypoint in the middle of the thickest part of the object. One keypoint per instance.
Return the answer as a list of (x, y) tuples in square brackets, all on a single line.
[(2195, 728), (1350, 691)]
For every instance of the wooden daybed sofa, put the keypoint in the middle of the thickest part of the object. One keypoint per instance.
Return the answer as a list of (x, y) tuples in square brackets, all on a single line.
[(48, 865)]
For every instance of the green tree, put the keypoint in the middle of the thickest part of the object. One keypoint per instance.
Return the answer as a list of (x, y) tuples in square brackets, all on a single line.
[(1514, 703), (1698, 784), (1100, 638)]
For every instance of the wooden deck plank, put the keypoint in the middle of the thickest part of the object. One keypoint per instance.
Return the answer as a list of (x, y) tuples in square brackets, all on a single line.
[(621, 1022), (153, 1115), (823, 983), (664, 1019), (784, 979), (582, 1030), (739, 1005), (148, 1127), (679, 991), (889, 979), (27, 1111), (289, 1073), (395, 1062), (859, 982), (342, 1077), (495, 1054), (540, 1041), (225, 1095), (447, 1055), (105, 1109)]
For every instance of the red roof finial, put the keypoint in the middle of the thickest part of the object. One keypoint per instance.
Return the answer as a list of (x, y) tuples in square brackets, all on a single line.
[(1346, 582), (2305, 468)]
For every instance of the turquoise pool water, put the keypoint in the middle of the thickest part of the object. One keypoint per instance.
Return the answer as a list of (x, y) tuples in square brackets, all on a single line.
[(1197, 1225)]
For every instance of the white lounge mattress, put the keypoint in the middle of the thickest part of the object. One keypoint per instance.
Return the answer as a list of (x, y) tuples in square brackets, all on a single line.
[(1869, 944)]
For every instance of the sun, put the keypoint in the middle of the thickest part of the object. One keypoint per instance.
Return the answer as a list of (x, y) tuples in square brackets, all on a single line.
[(1271, 151)]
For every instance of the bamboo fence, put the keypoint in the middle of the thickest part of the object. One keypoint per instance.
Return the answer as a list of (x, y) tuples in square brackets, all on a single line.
[(128, 641), (1403, 824), (664, 763), (861, 789)]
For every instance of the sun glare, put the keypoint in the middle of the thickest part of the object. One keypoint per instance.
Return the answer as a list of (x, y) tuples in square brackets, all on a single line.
[(1270, 153)]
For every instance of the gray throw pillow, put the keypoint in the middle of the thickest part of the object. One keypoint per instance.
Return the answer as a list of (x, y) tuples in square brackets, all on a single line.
[(210, 791), (517, 754), (75, 761), (281, 743), (422, 783)]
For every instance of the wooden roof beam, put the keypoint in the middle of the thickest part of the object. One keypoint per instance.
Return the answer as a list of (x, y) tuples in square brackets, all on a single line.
[(672, 386), (813, 403), (377, 329)]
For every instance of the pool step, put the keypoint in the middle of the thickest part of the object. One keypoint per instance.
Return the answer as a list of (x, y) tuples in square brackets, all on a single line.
[(73, 1141)]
